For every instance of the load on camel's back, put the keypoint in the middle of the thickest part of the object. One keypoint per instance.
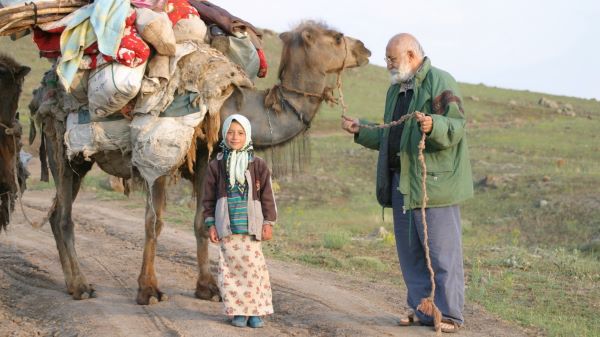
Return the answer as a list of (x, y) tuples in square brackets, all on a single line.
[(12, 171), (138, 104)]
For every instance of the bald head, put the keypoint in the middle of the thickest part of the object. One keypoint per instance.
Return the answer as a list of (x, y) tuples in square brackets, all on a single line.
[(404, 55), (404, 42)]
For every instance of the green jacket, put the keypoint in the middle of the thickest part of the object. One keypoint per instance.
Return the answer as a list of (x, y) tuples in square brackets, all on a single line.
[(449, 179)]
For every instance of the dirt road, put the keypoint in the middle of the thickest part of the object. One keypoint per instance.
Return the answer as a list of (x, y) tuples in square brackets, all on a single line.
[(308, 302)]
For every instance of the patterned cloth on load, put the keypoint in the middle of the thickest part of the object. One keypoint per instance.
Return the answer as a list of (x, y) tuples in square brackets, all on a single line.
[(132, 51), (102, 21)]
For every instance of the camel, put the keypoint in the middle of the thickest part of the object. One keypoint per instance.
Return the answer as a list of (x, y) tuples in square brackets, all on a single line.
[(310, 52), (12, 75)]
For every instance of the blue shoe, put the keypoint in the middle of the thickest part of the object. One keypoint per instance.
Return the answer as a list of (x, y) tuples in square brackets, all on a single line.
[(239, 321), (256, 322)]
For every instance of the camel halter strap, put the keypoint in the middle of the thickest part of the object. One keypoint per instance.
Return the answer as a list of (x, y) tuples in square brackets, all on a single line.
[(338, 81), (9, 131), (12, 131)]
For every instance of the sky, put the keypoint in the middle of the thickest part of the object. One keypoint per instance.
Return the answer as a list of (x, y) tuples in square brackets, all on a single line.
[(547, 46)]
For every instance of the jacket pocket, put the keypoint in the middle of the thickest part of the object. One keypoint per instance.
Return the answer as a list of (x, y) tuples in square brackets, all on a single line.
[(440, 177), (258, 214), (439, 161), (222, 218)]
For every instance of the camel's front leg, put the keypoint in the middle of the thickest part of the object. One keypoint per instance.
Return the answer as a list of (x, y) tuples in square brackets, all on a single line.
[(81, 289), (68, 181), (148, 292), (206, 287)]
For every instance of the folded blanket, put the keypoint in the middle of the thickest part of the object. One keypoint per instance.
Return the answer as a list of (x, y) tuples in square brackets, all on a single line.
[(102, 21)]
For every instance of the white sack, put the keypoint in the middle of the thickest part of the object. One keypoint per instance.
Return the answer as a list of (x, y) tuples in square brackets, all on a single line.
[(160, 144), (112, 86), (94, 137)]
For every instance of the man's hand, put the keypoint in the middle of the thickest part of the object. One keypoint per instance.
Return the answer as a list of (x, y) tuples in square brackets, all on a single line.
[(212, 234), (425, 121), (267, 232), (350, 124)]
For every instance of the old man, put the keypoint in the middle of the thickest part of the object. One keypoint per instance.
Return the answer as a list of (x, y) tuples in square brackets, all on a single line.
[(431, 93)]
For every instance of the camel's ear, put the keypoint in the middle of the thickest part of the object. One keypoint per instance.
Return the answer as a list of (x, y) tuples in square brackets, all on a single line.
[(23, 71), (285, 37), (308, 37)]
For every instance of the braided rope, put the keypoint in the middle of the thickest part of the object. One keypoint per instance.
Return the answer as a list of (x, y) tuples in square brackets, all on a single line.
[(427, 305)]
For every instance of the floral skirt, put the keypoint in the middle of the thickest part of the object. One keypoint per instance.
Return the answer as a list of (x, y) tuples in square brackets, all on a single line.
[(243, 277)]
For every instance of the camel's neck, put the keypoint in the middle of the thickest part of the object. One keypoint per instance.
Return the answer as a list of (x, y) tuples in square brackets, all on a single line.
[(269, 127), (296, 78)]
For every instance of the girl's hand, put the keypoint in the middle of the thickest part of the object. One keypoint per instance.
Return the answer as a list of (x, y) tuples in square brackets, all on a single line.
[(212, 234), (267, 232)]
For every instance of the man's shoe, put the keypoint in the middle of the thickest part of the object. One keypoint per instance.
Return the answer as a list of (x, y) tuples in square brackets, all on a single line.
[(239, 321), (256, 322)]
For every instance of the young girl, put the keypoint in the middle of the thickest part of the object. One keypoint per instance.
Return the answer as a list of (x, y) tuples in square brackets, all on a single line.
[(239, 211)]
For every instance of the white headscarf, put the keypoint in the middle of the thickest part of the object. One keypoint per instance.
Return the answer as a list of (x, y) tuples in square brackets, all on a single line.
[(237, 161)]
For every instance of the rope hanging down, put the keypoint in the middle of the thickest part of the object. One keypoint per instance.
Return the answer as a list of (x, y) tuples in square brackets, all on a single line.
[(427, 305)]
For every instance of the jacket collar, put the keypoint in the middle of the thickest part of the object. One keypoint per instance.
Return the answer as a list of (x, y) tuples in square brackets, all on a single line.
[(419, 77), (422, 71)]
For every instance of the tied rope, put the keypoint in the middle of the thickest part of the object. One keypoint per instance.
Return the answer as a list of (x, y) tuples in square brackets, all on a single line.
[(13, 132), (35, 12)]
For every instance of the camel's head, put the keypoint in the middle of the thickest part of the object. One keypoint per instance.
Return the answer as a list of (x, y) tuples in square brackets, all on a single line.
[(323, 48)]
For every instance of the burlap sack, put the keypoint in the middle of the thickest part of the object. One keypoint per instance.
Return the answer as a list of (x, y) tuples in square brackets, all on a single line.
[(156, 29), (191, 29), (160, 144), (79, 86)]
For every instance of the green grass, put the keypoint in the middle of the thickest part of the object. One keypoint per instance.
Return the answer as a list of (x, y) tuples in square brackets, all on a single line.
[(336, 240), (523, 262)]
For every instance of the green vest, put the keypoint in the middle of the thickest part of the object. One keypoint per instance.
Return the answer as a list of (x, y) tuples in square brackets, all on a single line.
[(449, 178)]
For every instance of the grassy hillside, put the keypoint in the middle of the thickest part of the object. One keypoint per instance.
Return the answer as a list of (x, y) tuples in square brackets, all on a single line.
[(531, 234)]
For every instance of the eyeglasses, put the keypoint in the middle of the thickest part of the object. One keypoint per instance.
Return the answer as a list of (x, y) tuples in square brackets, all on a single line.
[(390, 60)]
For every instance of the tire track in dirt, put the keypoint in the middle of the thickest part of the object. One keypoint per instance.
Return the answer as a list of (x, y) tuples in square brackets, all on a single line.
[(109, 240)]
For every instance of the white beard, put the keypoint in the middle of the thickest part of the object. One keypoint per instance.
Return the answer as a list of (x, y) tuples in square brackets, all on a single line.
[(401, 74)]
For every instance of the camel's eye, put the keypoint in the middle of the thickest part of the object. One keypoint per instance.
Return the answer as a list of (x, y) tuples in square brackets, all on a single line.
[(339, 38)]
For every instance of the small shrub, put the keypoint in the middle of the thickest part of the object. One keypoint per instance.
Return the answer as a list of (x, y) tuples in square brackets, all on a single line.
[(335, 240), (367, 263), (389, 239), (322, 260)]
